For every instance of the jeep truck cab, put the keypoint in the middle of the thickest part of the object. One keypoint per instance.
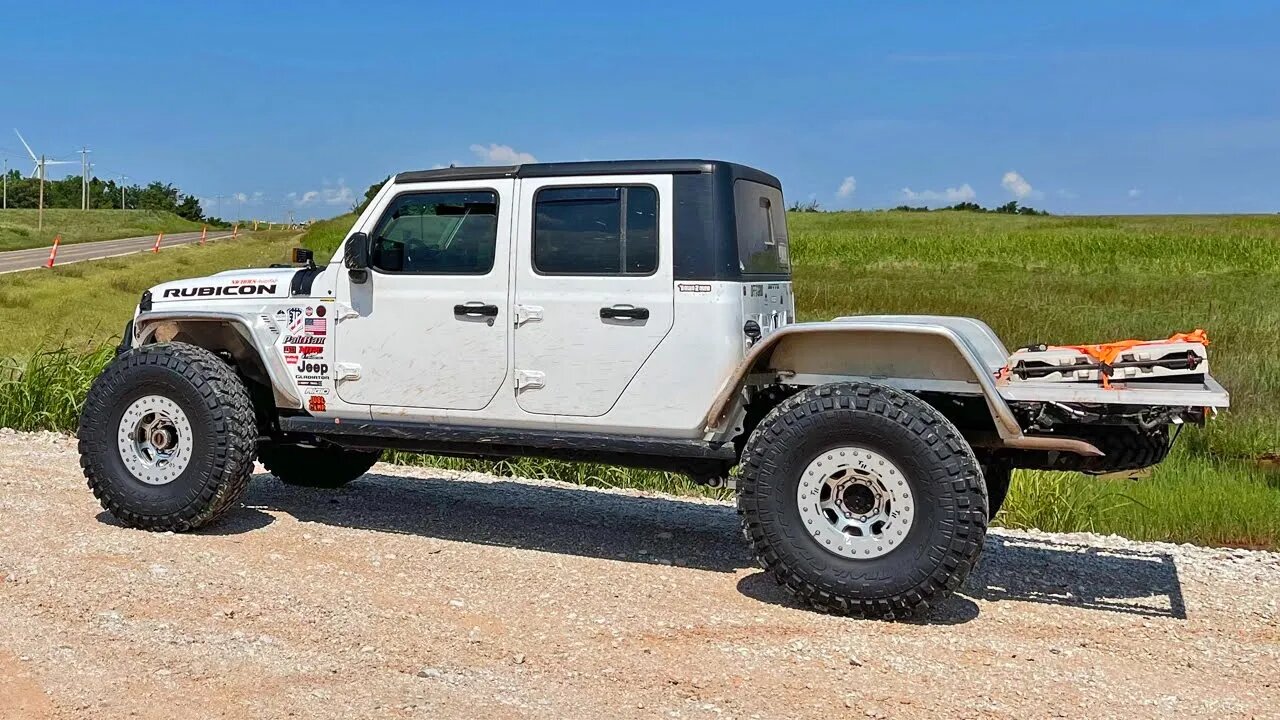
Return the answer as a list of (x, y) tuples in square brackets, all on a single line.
[(633, 312)]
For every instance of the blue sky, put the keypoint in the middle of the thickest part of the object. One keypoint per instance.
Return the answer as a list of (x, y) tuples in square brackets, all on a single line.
[(1081, 107)]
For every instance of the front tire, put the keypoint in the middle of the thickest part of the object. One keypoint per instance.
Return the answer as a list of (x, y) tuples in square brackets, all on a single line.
[(319, 467), (167, 437), (834, 543)]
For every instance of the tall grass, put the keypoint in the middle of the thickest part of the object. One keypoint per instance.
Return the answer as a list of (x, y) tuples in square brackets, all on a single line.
[(46, 391)]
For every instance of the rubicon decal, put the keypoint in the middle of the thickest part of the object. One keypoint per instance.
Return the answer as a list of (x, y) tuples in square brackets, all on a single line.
[(221, 291)]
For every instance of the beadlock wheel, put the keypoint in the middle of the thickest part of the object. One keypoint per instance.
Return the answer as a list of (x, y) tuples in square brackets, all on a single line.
[(168, 437), (155, 439), (855, 502)]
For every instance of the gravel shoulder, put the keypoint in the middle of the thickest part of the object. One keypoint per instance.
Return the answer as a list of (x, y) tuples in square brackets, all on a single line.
[(427, 593)]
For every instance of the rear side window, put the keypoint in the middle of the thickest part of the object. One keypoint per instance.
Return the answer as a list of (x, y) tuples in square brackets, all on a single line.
[(610, 230), (438, 233), (763, 246)]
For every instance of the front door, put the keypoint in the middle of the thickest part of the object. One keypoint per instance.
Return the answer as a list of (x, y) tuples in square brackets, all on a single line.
[(593, 289), (431, 322)]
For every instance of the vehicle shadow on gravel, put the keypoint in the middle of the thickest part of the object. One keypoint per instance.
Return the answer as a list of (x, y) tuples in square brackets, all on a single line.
[(578, 521)]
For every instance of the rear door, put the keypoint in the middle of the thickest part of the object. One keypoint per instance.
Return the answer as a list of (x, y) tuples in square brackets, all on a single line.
[(593, 288)]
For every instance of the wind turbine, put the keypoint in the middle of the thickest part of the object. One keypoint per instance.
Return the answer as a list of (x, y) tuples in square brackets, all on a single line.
[(39, 171)]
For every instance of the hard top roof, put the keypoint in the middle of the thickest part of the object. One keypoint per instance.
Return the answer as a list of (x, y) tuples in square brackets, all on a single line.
[(594, 167)]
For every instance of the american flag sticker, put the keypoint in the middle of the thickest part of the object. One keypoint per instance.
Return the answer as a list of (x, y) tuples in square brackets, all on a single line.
[(314, 326)]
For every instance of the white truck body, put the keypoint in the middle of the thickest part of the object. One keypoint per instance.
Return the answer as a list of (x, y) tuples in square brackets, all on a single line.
[(636, 313)]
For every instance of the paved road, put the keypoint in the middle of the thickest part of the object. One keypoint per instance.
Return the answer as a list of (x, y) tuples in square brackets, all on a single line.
[(15, 260)]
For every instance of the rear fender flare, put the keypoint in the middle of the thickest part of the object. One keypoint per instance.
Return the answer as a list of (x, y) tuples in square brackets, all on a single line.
[(875, 348)]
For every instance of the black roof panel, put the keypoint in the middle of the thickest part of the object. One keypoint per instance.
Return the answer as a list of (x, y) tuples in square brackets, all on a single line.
[(594, 167)]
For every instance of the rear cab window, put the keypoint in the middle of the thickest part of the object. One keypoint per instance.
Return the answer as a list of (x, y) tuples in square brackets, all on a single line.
[(596, 230), (763, 245)]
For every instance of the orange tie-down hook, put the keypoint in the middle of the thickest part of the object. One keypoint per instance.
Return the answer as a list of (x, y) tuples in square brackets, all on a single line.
[(1106, 353)]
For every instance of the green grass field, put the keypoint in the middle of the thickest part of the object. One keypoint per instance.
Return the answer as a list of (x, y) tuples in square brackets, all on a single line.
[(18, 227), (1034, 279), (82, 306)]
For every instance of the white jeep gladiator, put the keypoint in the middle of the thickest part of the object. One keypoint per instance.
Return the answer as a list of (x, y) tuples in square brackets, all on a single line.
[(633, 312)]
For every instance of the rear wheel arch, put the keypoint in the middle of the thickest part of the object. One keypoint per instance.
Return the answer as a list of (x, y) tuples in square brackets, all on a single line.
[(930, 360)]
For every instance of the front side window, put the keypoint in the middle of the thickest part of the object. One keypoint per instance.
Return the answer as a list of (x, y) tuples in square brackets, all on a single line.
[(596, 230), (763, 247), (438, 233)]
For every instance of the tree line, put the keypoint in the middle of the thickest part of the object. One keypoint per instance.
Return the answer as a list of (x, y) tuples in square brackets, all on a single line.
[(1010, 208), (24, 192)]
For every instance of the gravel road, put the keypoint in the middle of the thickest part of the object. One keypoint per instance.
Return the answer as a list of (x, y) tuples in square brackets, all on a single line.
[(428, 594)]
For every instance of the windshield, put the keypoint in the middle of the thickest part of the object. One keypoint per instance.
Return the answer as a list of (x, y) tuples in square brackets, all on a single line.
[(763, 247)]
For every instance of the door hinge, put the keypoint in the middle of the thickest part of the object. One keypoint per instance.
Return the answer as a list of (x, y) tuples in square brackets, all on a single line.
[(525, 313), (348, 371), (343, 311), (529, 379)]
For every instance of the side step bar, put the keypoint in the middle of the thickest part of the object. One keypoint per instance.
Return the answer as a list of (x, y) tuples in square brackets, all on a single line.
[(695, 457)]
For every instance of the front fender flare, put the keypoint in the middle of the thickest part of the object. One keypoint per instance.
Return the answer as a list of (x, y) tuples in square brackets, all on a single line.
[(251, 329)]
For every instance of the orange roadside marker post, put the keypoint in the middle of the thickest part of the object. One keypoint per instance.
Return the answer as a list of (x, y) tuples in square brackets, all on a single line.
[(53, 251), (204, 233), (156, 248), (235, 231)]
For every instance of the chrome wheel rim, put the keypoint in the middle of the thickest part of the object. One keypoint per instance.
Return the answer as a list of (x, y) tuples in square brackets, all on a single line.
[(855, 503), (154, 438)]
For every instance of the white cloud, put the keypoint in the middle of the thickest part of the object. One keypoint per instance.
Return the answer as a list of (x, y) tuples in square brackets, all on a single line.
[(502, 154), (1134, 192), (964, 193), (1018, 186), (847, 188), (328, 194), (1066, 194)]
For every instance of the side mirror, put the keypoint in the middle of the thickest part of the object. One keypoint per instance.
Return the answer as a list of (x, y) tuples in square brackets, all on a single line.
[(355, 256), (303, 256)]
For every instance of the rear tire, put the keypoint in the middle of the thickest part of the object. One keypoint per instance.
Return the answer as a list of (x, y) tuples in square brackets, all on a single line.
[(997, 474), (321, 467), (939, 504), (167, 437)]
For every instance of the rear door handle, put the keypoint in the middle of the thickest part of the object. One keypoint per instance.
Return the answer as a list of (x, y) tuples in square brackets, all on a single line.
[(619, 312), (475, 309)]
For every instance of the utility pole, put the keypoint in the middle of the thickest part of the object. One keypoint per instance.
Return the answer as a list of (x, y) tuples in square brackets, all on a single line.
[(122, 179), (217, 206), (85, 153), (6, 183)]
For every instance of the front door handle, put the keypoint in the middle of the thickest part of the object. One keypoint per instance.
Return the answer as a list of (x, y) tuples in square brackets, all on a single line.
[(620, 312), (475, 309)]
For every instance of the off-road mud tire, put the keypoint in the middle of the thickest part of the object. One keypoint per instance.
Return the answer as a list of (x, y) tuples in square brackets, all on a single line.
[(944, 539), (224, 437), (318, 467), (997, 473)]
